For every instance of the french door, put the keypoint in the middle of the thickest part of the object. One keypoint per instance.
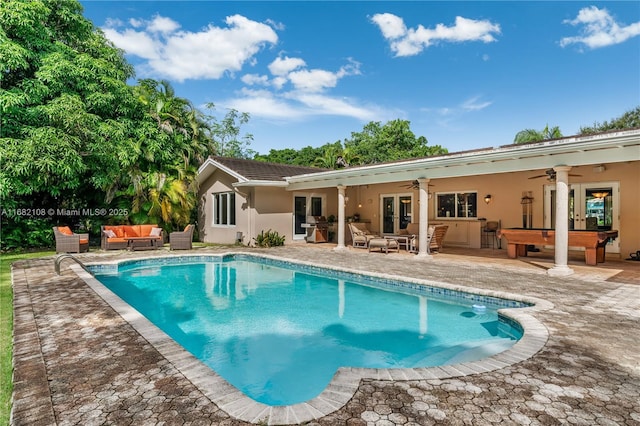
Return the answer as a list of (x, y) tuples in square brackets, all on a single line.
[(396, 212), (592, 206)]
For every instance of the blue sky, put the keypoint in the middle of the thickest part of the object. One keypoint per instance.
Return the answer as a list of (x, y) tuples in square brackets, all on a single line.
[(466, 75)]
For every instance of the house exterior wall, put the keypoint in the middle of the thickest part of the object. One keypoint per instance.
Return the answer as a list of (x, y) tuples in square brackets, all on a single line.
[(257, 209), (221, 234), (262, 208), (506, 191), (273, 211)]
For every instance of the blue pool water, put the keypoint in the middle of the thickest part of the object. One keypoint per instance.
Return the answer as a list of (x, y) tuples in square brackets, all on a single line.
[(279, 333)]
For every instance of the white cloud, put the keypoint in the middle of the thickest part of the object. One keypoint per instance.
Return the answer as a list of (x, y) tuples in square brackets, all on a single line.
[(255, 79), (283, 66), (474, 104), (599, 29), (263, 104), (392, 26), (412, 41), (313, 80), (163, 25), (182, 55), (135, 43)]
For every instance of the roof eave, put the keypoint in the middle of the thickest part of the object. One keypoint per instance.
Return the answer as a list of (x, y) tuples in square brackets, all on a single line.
[(273, 183)]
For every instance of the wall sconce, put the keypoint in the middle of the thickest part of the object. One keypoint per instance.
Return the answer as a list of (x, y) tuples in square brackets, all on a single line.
[(346, 200), (487, 198), (599, 168)]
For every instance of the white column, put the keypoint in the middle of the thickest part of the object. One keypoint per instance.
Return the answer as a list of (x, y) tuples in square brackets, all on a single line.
[(562, 223), (423, 250), (341, 218)]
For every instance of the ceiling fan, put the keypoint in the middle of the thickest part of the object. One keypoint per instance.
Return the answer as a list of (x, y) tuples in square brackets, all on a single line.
[(550, 174), (413, 185)]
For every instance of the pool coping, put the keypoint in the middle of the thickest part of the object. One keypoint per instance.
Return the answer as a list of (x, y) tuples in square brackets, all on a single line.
[(346, 380)]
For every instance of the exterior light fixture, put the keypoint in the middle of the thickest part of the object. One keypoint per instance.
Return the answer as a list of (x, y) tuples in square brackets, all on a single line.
[(487, 198), (600, 194)]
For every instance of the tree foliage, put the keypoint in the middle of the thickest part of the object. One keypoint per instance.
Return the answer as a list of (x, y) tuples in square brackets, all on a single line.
[(531, 135), (374, 144), (75, 135), (628, 120)]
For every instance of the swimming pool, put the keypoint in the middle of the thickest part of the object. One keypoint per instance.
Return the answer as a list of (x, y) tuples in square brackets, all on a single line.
[(279, 331)]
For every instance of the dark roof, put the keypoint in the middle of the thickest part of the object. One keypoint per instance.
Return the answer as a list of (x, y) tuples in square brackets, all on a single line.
[(260, 170)]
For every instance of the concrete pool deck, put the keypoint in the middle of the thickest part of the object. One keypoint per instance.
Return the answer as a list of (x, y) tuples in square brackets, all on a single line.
[(77, 361)]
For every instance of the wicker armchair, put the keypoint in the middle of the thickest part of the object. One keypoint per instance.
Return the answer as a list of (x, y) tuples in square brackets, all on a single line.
[(181, 240), (68, 242)]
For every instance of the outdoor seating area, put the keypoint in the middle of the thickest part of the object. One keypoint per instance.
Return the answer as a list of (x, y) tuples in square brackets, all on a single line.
[(132, 237), (408, 238)]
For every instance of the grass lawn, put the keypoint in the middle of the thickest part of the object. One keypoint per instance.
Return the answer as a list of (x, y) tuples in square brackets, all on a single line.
[(6, 328)]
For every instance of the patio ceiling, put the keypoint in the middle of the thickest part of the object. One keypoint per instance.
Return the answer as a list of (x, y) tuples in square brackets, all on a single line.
[(612, 147)]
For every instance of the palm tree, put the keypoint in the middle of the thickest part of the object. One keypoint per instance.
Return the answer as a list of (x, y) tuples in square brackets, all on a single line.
[(531, 135), (158, 197)]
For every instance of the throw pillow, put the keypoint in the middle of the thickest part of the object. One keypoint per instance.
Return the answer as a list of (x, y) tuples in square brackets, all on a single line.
[(155, 232), (109, 233), (65, 230)]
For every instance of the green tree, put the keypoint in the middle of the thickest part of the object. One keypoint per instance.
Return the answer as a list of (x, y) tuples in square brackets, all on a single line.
[(225, 134), (628, 120), (392, 141), (74, 134), (531, 135), (66, 112)]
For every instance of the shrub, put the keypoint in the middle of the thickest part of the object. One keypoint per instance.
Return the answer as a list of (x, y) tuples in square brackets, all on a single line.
[(269, 239)]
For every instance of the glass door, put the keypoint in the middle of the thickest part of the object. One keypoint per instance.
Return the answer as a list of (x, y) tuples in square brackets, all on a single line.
[(395, 212), (592, 206), (299, 217)]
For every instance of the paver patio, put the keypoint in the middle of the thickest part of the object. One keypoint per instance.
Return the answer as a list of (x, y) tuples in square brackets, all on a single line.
[(78, 362)]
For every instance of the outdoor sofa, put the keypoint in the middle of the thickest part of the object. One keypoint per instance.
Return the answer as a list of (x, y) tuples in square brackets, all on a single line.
[(131, 237)]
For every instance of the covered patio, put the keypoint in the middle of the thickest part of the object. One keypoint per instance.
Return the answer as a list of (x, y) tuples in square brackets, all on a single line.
[(448, 189)]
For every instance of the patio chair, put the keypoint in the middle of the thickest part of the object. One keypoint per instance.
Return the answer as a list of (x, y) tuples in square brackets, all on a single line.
[(360, 235), (437, 242), (414, 239), (181, 240), (68, 242)]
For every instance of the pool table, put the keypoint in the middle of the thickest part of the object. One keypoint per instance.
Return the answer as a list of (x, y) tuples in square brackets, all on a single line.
[(594, 242)]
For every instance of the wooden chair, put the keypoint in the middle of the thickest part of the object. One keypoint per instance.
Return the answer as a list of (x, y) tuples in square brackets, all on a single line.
[(181, 240), (437, 242), (68, 242)]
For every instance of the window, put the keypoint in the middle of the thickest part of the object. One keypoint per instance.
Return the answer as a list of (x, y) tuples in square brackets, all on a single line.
[(316, 206), (224, 208), (457, 204)]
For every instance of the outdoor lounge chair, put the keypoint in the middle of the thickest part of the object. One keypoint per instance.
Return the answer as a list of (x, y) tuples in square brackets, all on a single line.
[(360, 235), (68, 242), (435, 237), (181, 240), (437, 242)]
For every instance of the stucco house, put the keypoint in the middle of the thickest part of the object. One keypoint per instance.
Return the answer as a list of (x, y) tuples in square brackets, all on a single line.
[(596, 178)]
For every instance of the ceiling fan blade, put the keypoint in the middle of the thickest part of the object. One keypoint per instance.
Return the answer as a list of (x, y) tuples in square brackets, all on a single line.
[(539, 176)]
